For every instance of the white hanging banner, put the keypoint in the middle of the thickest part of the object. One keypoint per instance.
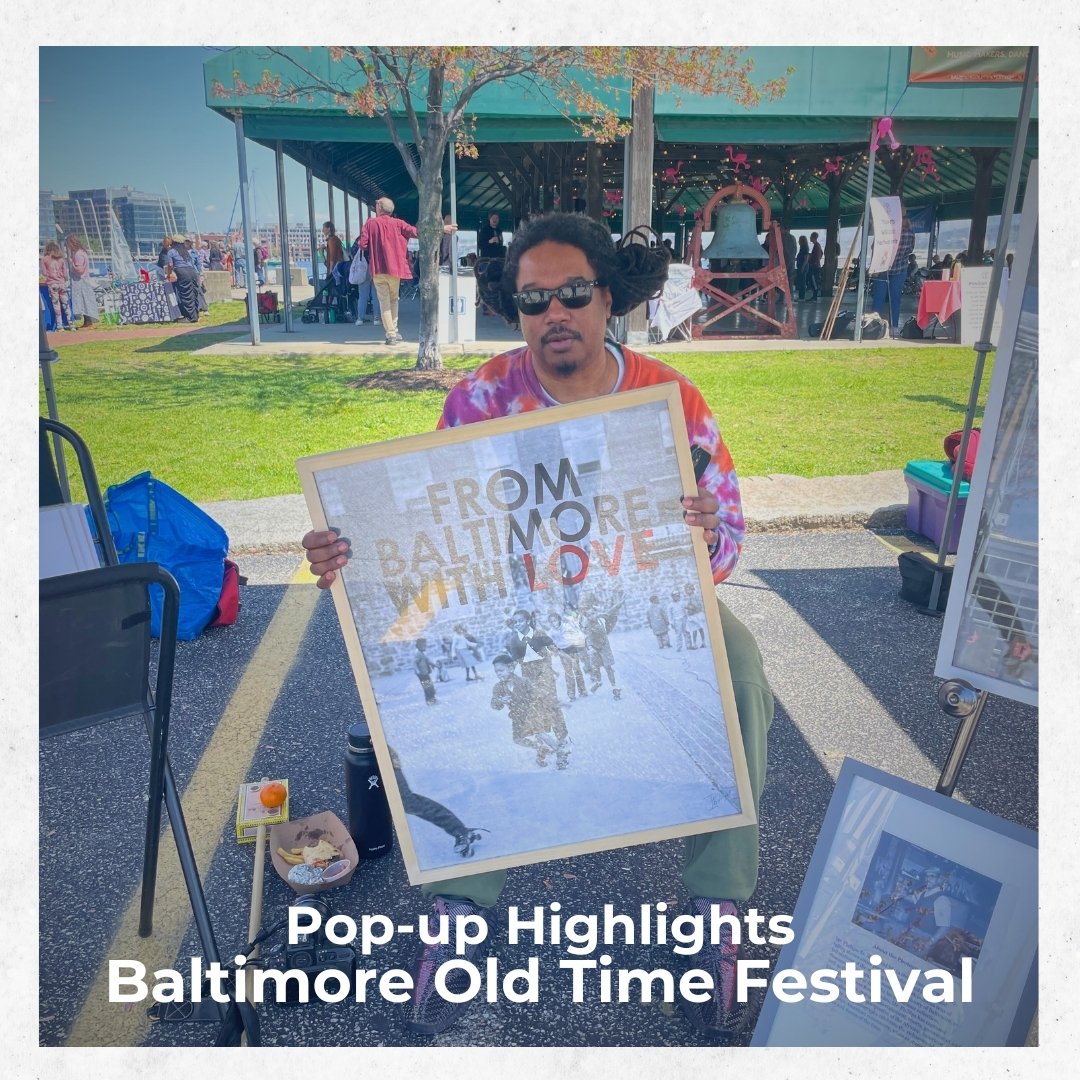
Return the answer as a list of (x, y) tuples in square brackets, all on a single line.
[(887, 215)]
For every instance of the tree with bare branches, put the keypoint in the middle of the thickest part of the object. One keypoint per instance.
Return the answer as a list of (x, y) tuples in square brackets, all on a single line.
[(432, 88)]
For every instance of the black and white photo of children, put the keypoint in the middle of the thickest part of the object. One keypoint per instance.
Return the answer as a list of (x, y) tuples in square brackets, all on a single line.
[(565, 630), (658, 622), (466, 650), (423, 667), (598, 621), (534, 650), (532, 545)]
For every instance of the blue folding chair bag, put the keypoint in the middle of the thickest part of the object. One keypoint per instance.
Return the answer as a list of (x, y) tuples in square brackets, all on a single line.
[(152, 522)]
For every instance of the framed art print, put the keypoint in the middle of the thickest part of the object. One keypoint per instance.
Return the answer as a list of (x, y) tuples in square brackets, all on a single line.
[(510, 609), (930, 905)]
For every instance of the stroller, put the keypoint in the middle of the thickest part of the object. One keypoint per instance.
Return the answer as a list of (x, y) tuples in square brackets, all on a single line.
[(335, 299)]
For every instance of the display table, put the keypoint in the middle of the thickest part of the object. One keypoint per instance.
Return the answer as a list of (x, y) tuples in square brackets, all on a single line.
[(47, 308), (148, 302), (938, 298)]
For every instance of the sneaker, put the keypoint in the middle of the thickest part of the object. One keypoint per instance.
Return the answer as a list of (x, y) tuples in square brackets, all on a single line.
[(723, 1015), (429, 1012), (360, 322), (394, 339), (465, 842)]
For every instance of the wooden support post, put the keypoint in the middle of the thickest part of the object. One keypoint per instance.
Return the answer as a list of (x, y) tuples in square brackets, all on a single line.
[(593, 196), (638, 198)]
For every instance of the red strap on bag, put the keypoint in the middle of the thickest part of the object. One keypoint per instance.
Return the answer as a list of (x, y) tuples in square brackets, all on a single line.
[(228, 605), (952, 447)]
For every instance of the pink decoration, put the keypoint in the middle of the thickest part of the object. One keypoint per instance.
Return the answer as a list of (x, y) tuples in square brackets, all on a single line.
[(803, 203), (924, 159), (884, 132), (671, 172), (832, 166), (739, 160), (680, 210), (759, 185), (613, 196)]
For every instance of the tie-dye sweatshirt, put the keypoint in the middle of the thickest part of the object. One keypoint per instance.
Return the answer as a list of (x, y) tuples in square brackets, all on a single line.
[(507, 384)]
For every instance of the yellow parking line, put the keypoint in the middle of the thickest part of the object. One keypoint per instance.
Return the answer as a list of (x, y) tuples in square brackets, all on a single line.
[(209, 801)]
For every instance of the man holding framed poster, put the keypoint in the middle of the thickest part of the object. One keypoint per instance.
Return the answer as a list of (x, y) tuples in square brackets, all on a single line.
[(562, 280)]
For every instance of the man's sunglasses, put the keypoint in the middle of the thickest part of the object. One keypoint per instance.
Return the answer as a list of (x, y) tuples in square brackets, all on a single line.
[(577, 294)]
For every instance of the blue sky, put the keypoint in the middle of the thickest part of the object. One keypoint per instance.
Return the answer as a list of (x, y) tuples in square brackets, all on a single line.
[(137, 115)]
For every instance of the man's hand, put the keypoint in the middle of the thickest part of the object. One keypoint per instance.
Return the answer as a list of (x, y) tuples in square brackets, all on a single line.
[(701, 511), (326, 554), (448, 229)]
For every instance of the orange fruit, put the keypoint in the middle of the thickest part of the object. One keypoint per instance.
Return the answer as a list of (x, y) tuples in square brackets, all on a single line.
[(273, 795)]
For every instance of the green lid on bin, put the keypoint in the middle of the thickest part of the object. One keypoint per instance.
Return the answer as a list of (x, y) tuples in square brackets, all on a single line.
[(935, 474)]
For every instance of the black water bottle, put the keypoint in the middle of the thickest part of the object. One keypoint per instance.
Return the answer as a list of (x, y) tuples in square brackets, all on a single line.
[(369, 812)]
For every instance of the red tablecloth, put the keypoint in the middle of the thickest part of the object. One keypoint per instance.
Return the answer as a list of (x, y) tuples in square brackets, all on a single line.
[(940, 298)]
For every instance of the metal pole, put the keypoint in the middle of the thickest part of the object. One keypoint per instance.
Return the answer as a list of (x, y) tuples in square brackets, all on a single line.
[(194, 219), (454, 338), (46, 358), (346, 243), (311, 228), (935, 224), (283, 226), (245, 218), (860, 300), (983, 345)]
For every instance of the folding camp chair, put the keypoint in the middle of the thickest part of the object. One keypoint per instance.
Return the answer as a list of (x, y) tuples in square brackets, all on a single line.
[(95, 652), (95, 658)]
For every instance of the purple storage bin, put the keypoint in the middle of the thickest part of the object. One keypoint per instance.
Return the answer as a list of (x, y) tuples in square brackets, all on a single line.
[(928, 484)]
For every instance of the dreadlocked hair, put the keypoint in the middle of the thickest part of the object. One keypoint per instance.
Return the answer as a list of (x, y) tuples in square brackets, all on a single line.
[(632, 270)]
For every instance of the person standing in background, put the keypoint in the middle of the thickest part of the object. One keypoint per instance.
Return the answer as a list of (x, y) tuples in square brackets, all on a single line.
[(889, 286), (179, 260), (813, 266), (54, 271), (489, 240), (365, 289), (259, 260), (384, 239), (239, 261), (791, 255), (83, 297), (335, 253), (801, 259), (163, 257)]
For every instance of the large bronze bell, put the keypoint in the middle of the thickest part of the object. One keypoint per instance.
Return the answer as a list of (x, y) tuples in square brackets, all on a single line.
[(735, 234)]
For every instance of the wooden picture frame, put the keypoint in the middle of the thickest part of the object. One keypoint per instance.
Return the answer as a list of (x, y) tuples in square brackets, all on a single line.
[(904, 879), (598, 737)]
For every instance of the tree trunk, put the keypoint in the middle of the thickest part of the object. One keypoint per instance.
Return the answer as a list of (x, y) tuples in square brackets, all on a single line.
[(593, 197), (985, 157), (430, 186)]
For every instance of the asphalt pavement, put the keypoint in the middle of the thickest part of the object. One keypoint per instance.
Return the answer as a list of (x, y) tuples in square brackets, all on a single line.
[(852, 667)]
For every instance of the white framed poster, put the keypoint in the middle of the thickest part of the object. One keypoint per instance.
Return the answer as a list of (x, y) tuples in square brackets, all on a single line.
[(500, 612), (917, 925), (990, 634)]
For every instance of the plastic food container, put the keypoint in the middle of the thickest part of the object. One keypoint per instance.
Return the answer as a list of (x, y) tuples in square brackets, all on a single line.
[(307, 831)]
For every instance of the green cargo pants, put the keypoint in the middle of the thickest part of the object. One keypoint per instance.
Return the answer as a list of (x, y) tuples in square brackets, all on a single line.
[(720, 865)]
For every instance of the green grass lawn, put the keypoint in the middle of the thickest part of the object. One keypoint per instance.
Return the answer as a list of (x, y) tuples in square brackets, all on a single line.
[(227, 427)]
